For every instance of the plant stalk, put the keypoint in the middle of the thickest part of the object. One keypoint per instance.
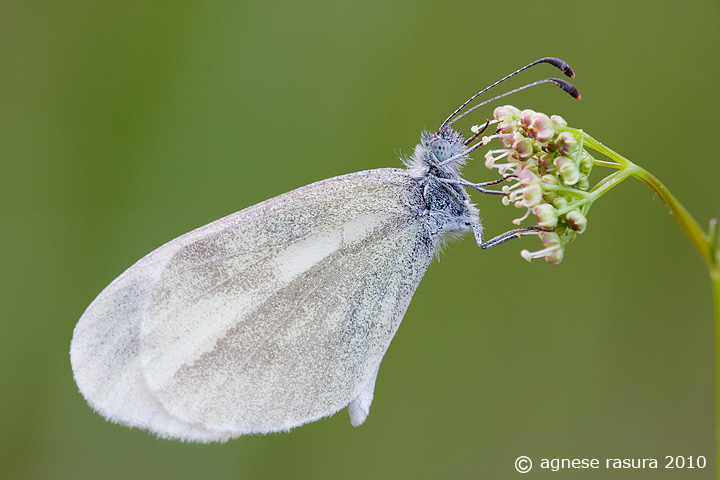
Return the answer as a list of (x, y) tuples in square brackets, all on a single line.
[(705, 243)]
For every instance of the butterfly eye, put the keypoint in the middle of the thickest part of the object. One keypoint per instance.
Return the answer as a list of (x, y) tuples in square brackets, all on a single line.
[(441, 149)]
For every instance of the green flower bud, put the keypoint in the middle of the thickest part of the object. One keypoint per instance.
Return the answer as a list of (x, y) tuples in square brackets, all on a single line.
[(555, 251), (546, 215), (549, 179), (560, 203), (568, 236), (568, 170), (586, 163), (532, 194), (558, 120), (567, 144)]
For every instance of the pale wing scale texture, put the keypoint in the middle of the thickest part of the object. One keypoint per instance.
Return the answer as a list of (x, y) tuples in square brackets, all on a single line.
[(315, 343), (105, 354), (359, 408), (314, 319), (212, 322)]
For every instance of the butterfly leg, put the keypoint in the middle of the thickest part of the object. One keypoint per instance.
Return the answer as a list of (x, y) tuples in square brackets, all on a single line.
[(502, 238)]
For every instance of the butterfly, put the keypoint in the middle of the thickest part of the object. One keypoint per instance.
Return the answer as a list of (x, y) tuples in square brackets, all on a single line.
[(281, 313)]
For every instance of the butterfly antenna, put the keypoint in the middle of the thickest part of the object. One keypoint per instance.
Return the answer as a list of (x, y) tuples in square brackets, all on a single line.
[(556, 62), (564, 85)]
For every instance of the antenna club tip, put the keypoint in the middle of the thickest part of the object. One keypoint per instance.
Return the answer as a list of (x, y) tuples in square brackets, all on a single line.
[(568, 87), (567, 69), (579, 97), (560, 64)]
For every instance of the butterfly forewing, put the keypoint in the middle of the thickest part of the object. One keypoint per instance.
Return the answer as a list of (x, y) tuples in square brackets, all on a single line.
[(262, 320)]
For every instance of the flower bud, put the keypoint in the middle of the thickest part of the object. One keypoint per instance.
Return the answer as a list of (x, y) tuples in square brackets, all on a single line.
[(532, 194), (558, 120), (549, 179), (526, 177), (567, 143), (550, 148), (576, 220), (568, 236), (586, 163), (583, 183), (525, 117), (541, 127), (568, 170), (551, 241), (546, 215), (523, 148), (506, 113), (555, 257), (545, 163), (560, 203)]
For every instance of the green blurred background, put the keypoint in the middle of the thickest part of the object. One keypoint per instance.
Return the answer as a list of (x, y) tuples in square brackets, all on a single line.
[(126, 124)]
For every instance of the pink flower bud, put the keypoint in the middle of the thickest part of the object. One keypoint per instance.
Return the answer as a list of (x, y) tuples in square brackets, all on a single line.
[(526, 177), (523, 148), (541, 127), (576, 220), (525, 117)]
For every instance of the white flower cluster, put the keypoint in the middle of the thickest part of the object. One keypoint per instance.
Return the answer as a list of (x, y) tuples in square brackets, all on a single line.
[(550, 171)]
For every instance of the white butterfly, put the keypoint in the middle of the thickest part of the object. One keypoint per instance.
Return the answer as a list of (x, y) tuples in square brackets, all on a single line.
[(279, 314)]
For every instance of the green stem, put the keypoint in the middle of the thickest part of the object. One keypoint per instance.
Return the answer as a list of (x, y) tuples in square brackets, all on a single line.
[(698, 238), (716, 297), (609, 182), (715, 277), (687, 223), (705, 243)]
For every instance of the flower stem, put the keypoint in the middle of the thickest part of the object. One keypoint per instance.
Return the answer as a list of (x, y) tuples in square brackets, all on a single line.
[(715, 278), (687, 223), (716, 297), (699, 239), (705, 243)]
